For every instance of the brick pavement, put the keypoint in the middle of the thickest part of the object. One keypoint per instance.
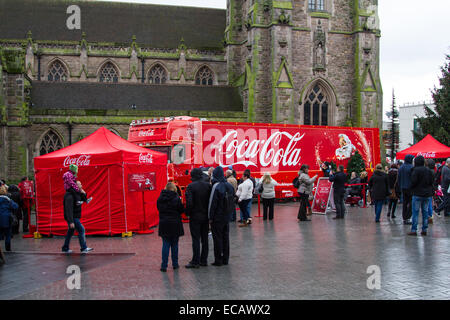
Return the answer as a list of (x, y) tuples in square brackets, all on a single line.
[(282, 259)]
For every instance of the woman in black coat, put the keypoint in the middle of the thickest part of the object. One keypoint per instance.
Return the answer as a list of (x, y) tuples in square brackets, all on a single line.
[(394, 189), (379, 186), (170, 209)]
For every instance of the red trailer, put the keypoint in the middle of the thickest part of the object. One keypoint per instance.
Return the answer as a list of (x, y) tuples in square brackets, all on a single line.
[(261, 147)]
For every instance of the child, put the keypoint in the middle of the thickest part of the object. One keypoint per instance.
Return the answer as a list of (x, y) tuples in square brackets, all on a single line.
[(170, 209), (70, 178)]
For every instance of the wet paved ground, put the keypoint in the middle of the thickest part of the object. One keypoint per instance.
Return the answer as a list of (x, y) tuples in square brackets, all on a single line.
[(281, 259)]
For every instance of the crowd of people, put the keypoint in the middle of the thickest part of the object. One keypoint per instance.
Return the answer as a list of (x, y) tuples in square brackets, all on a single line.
[(211, 201)]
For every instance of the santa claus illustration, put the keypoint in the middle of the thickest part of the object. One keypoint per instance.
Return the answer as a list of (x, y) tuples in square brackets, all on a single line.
[(346, 147)]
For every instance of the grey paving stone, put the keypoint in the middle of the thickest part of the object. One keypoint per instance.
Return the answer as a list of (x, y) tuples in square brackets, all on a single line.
[(280, 259)]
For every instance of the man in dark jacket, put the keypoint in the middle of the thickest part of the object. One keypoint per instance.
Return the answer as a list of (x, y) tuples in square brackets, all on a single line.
[(404, 179), (219, 216), (422, 189), (339, 179), (197, 200), (72, 214), (379, 186)]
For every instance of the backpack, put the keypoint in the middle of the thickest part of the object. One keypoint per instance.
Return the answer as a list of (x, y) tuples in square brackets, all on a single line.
[(228, 202), (296, 183)]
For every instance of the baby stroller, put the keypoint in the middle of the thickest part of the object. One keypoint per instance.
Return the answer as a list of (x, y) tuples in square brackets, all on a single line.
[(438, 198)]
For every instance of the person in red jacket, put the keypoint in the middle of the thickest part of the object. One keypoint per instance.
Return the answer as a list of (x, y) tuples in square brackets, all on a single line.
[(26, 194)]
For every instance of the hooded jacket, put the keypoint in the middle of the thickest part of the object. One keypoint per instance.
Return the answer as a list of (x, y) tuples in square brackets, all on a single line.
[(170, 209), (217, 211), (197, 197), (6, 208), (379, 185), (421, 179), (404, 173)]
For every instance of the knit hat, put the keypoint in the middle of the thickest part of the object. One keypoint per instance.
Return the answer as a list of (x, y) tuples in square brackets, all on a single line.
[(73, 168)]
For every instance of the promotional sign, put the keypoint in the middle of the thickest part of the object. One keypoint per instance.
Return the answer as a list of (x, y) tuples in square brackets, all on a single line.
[(322, 196), (260, 147), (138, 182)]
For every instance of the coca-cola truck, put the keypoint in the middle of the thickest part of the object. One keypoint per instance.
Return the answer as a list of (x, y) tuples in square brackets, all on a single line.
[(279, 149)]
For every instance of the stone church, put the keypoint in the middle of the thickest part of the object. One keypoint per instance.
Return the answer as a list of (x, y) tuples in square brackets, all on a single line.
[(69, 67)]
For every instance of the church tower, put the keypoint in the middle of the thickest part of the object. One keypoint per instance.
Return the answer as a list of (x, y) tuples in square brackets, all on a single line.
[(312, 62)]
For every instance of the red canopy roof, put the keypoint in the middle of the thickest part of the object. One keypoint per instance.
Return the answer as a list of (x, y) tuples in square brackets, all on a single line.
[(100, 148), (428, 147)]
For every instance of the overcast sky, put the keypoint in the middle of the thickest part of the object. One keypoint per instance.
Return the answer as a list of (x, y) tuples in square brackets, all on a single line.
[(415, 39)]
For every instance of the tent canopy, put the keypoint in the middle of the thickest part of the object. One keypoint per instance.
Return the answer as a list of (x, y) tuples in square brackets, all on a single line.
[(428, 147), (100, 148), (124, 181)]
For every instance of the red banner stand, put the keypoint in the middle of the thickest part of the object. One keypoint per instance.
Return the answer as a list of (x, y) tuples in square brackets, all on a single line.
[(259, 207), (144, 227)]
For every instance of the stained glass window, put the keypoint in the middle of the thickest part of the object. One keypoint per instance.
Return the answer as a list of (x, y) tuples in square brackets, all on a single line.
[(109, 73), (316, 104), (204, 77), (157, 75), (50, 142), (57, 72)]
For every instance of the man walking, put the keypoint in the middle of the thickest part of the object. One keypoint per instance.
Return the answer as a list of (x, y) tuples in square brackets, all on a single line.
[(72, 214), (339, 179), (219, 211), (445, 182), (422, 189), (404, 178), (197, 199)]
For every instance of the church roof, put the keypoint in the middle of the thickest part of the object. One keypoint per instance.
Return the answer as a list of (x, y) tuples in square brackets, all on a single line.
[(94, 95), (156, 26)]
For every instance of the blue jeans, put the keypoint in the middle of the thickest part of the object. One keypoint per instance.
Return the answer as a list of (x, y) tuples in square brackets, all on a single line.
[(243, 205), (419, 202), (169, 244), (378, 209), (249, 208), (430, 207), (81, 237)]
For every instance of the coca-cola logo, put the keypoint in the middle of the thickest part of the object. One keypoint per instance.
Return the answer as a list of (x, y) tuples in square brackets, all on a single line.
[(83, 160), (146, 133), (427, 154), (266, 152), (145, 158)]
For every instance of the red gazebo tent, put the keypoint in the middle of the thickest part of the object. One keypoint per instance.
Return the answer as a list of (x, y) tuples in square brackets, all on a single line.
[(120, 177), (428, 147)]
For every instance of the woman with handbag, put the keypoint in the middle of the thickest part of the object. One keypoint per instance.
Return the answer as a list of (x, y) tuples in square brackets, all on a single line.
[(6, 216), (394, 190), (304, 191), (268, 195)]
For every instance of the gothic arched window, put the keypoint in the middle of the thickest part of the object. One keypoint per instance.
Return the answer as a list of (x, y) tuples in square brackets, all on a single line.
[(204, 76), (157, 75), (316, 5), (109, 73), (315, 107), (57, 72), (50, 142)]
